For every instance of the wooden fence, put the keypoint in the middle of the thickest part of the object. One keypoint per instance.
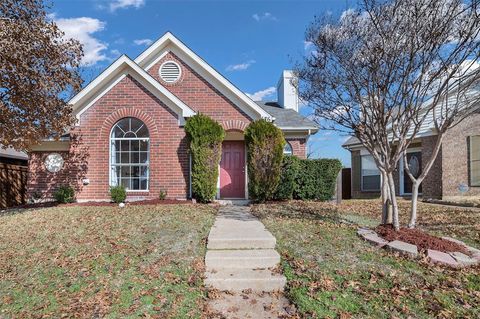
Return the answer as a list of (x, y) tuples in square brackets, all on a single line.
[(13, 185)]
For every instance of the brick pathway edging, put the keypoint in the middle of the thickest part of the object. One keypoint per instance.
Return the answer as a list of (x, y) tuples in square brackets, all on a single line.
[(454, 260)]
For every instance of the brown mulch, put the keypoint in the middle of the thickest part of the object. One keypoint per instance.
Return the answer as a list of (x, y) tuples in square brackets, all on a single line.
[(419, 238)]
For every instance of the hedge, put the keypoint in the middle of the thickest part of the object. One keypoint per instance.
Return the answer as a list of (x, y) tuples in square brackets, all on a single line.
[(265, 144), (316, 179), (308, 178), (288, 178), (205, 138)]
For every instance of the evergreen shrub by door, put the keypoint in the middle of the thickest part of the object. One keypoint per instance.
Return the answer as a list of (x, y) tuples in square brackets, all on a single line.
[(265, 144), (205, 138)]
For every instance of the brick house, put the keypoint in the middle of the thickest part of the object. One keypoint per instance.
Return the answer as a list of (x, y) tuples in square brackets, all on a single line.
[(455, 172), (130, 130)]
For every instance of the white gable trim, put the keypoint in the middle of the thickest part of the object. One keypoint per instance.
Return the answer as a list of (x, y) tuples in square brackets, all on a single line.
[(168, 42), (117, 71)]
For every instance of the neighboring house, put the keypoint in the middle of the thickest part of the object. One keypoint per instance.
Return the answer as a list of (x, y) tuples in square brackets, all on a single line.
[(455, 172), (13, 177), (130, 128)]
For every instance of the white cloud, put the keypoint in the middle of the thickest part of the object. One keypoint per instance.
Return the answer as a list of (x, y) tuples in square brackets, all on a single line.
[(119, 41), (81, 29), (115, 52), (347, 13), (260, 95), (264, 16), (143, 41), (307, 45), (123, 4), (241, 66)]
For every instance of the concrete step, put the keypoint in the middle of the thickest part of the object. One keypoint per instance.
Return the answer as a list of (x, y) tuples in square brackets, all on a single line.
[(265, 242), (237, 280), (233, 202), (252, 258)]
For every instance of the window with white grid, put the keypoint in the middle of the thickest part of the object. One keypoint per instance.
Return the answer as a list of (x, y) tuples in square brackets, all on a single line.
[(129, 154)]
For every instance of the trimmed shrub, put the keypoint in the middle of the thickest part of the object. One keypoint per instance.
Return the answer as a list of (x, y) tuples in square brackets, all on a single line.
[(64, 194), (163, 194), (316, 179), (265, 144), (118, 194), (288, 178), (205, 137)]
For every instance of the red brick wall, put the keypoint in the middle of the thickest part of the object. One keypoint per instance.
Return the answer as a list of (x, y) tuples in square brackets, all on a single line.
[(200, 95), (432, 184), (455, 157), (299, 146), (169, 165)]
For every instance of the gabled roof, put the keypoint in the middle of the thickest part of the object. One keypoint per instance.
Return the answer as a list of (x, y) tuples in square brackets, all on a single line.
[(351, 141), (122, 67), (287, 119), (169, 43)]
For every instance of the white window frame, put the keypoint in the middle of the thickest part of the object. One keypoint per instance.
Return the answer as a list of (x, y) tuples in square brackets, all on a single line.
[(361, 175), (110, 165), (289, 153)]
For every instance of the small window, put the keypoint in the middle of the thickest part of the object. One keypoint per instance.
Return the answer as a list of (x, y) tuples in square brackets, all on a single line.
[(474, 160), (287, 149), (170, 72), (370, 174)]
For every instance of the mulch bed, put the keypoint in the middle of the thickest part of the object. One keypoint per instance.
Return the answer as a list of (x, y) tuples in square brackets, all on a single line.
[(419, 238), (133, 203)]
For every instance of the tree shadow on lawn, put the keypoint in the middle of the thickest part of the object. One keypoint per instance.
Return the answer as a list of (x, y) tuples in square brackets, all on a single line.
[(304, 210)]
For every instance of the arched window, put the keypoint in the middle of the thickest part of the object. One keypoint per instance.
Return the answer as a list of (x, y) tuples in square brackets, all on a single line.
[(129, 154), (287, 149)]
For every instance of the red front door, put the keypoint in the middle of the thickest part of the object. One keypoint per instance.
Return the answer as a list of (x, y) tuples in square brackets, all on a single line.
[(232, 170)]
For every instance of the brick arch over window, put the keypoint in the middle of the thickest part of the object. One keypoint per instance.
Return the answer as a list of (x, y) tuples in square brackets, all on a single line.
[(234, 125), (113, 118)]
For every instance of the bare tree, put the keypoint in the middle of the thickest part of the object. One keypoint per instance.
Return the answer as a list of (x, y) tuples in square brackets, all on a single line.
[(379, 70), (37, 69), (461, 99)]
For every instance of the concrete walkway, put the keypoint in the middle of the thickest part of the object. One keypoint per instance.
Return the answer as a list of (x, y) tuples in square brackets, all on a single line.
[(241, 260)]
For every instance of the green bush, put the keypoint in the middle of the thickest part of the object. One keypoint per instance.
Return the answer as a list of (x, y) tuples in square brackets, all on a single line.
[(265, 144), (205, 137), (64, 194), (118, 193), (317, 178), (288, 178), (163, 194)]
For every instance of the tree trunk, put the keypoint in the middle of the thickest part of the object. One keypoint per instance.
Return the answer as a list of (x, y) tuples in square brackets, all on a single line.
[(413, 209), (391, 186), (386, 203)]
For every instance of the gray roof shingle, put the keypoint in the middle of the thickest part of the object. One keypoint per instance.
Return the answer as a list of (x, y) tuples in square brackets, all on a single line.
[(287, 118)]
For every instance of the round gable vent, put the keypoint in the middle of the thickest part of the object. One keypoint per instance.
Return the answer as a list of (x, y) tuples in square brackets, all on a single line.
[(170, 72)]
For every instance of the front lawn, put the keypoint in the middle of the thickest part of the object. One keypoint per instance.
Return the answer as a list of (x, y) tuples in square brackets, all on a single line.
[(458, 222), (104, 261), (332, 273)]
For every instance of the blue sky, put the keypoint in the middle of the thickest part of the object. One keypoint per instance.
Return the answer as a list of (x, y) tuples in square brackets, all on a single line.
[(249, 42)]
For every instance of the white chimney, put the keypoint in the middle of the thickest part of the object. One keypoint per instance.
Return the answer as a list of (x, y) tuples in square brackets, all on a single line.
[(286, 90)]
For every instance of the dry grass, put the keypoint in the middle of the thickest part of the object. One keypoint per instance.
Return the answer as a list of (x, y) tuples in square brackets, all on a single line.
[(104, 261), (331, 273), (459, 222)]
